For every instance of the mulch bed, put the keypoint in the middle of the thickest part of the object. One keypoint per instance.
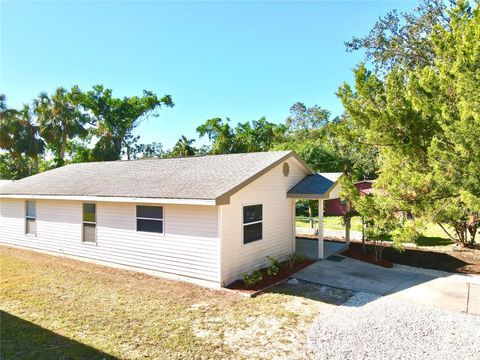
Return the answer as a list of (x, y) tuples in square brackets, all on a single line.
[(359, 255), (465, 261), (285, 272)]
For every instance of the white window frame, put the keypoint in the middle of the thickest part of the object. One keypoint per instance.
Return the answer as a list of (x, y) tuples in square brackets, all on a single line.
[(250, 223), (30, 218), (147, 218), (89, 222)]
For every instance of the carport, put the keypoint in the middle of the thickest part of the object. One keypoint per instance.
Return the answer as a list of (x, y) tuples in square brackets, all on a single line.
[(321, 187)]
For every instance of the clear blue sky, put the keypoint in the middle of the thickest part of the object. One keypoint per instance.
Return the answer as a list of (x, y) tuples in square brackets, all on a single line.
[(242, 60)]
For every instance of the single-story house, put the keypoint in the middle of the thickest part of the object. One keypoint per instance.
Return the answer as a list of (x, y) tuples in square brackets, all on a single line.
[(206, 219), (338, 207)]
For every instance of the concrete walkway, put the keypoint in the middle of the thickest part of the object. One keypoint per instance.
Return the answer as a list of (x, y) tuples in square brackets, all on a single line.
[(439, 289), (309, 247)]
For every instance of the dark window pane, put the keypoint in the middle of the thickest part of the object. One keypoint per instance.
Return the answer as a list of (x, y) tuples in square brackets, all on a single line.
[(252, 233), (89, 212), (252, 213), (150, 225), (153, 212), (89, 232), (30, 207), (31, 227)]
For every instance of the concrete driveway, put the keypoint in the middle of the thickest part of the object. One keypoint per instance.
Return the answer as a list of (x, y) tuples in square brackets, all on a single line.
[(429, 287)]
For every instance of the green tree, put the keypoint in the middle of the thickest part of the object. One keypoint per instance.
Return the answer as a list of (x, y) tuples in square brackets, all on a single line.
[(220, 135), (115, 118), (403, 39), (306, 119), (184, 147), (258, 135), (423, 118), (153, 150), (61, 118), (20, 138)]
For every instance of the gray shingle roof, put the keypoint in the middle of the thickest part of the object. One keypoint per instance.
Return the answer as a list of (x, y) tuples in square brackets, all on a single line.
[(204, 177), (314, 186)]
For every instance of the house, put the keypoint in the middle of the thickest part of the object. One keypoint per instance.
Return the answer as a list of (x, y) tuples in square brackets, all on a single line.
[(206, 219), (335, 206)]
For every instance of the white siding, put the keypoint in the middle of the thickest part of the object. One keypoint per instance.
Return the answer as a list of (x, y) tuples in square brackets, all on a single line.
[(189, 249), (278, 227), (335, 192)]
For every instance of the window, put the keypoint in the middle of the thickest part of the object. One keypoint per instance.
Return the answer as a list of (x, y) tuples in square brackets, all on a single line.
[(252, 223), (89, 222), (150, 218), (30, 217)]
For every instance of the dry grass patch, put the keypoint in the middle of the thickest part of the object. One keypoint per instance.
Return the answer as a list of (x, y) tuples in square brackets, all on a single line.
[(61, 308)]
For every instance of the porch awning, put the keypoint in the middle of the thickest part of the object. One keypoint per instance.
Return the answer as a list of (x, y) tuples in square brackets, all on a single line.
[(317, 186)]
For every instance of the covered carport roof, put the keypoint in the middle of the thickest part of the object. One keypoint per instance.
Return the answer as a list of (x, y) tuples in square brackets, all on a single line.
[(317, 186)]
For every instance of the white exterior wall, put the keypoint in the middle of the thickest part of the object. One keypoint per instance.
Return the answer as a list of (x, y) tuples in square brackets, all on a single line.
[(189, 249), (335, 192), (278, 240)]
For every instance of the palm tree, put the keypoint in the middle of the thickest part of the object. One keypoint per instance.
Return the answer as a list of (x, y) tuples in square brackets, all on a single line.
[(6, 123), (184, 147), (20, 137), (31, 142), (61, 118)]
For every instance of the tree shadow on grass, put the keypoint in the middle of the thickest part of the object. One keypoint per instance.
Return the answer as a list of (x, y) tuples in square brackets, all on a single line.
[(21, 339), (433, 241)]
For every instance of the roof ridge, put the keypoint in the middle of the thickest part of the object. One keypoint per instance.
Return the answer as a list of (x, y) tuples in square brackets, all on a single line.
[(180, 157)]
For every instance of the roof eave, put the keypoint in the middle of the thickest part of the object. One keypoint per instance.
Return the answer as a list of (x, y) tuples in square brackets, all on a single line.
[(208, 202), (307, 196)]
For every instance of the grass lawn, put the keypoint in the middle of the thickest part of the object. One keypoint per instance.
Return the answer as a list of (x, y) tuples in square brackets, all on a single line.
[(57, 308), (432, 236), (332, 223)]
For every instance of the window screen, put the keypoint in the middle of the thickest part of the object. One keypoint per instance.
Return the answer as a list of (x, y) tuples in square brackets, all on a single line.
[(30, 217), (89, 222), (150, 218), (252, 223)]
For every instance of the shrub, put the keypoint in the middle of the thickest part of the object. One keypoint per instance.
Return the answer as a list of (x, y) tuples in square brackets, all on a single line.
[(295, 258), (252, 279), (274, 267)]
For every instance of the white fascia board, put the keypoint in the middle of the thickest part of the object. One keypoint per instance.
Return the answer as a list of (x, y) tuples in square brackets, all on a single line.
[(113, 199)]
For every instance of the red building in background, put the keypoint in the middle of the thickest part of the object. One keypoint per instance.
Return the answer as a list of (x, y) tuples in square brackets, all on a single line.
[(337, 207)]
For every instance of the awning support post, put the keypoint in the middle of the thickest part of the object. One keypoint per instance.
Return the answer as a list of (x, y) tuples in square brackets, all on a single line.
[(320, 228), (347, 225)]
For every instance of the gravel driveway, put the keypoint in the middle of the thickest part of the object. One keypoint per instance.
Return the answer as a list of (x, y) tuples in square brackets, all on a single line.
[(371, 327)]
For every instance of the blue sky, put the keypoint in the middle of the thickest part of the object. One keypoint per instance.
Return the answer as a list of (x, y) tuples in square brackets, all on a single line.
[(242, 60)]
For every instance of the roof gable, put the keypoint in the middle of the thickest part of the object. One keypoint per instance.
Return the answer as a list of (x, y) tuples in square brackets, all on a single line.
[(314, 186)]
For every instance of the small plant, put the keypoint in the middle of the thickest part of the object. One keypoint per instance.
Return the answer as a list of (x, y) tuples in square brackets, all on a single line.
[(295, 258), (252, 279), (274, 267)]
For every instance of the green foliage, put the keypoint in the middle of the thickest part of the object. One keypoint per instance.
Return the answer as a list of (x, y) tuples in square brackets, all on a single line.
[(403, 40), (295, 258), (61, 118), (115, 118), (303, 119), (274, 267), (19, 137), (423, 118), (184, 147), (259, 135), (252, 279), (74, 126)]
